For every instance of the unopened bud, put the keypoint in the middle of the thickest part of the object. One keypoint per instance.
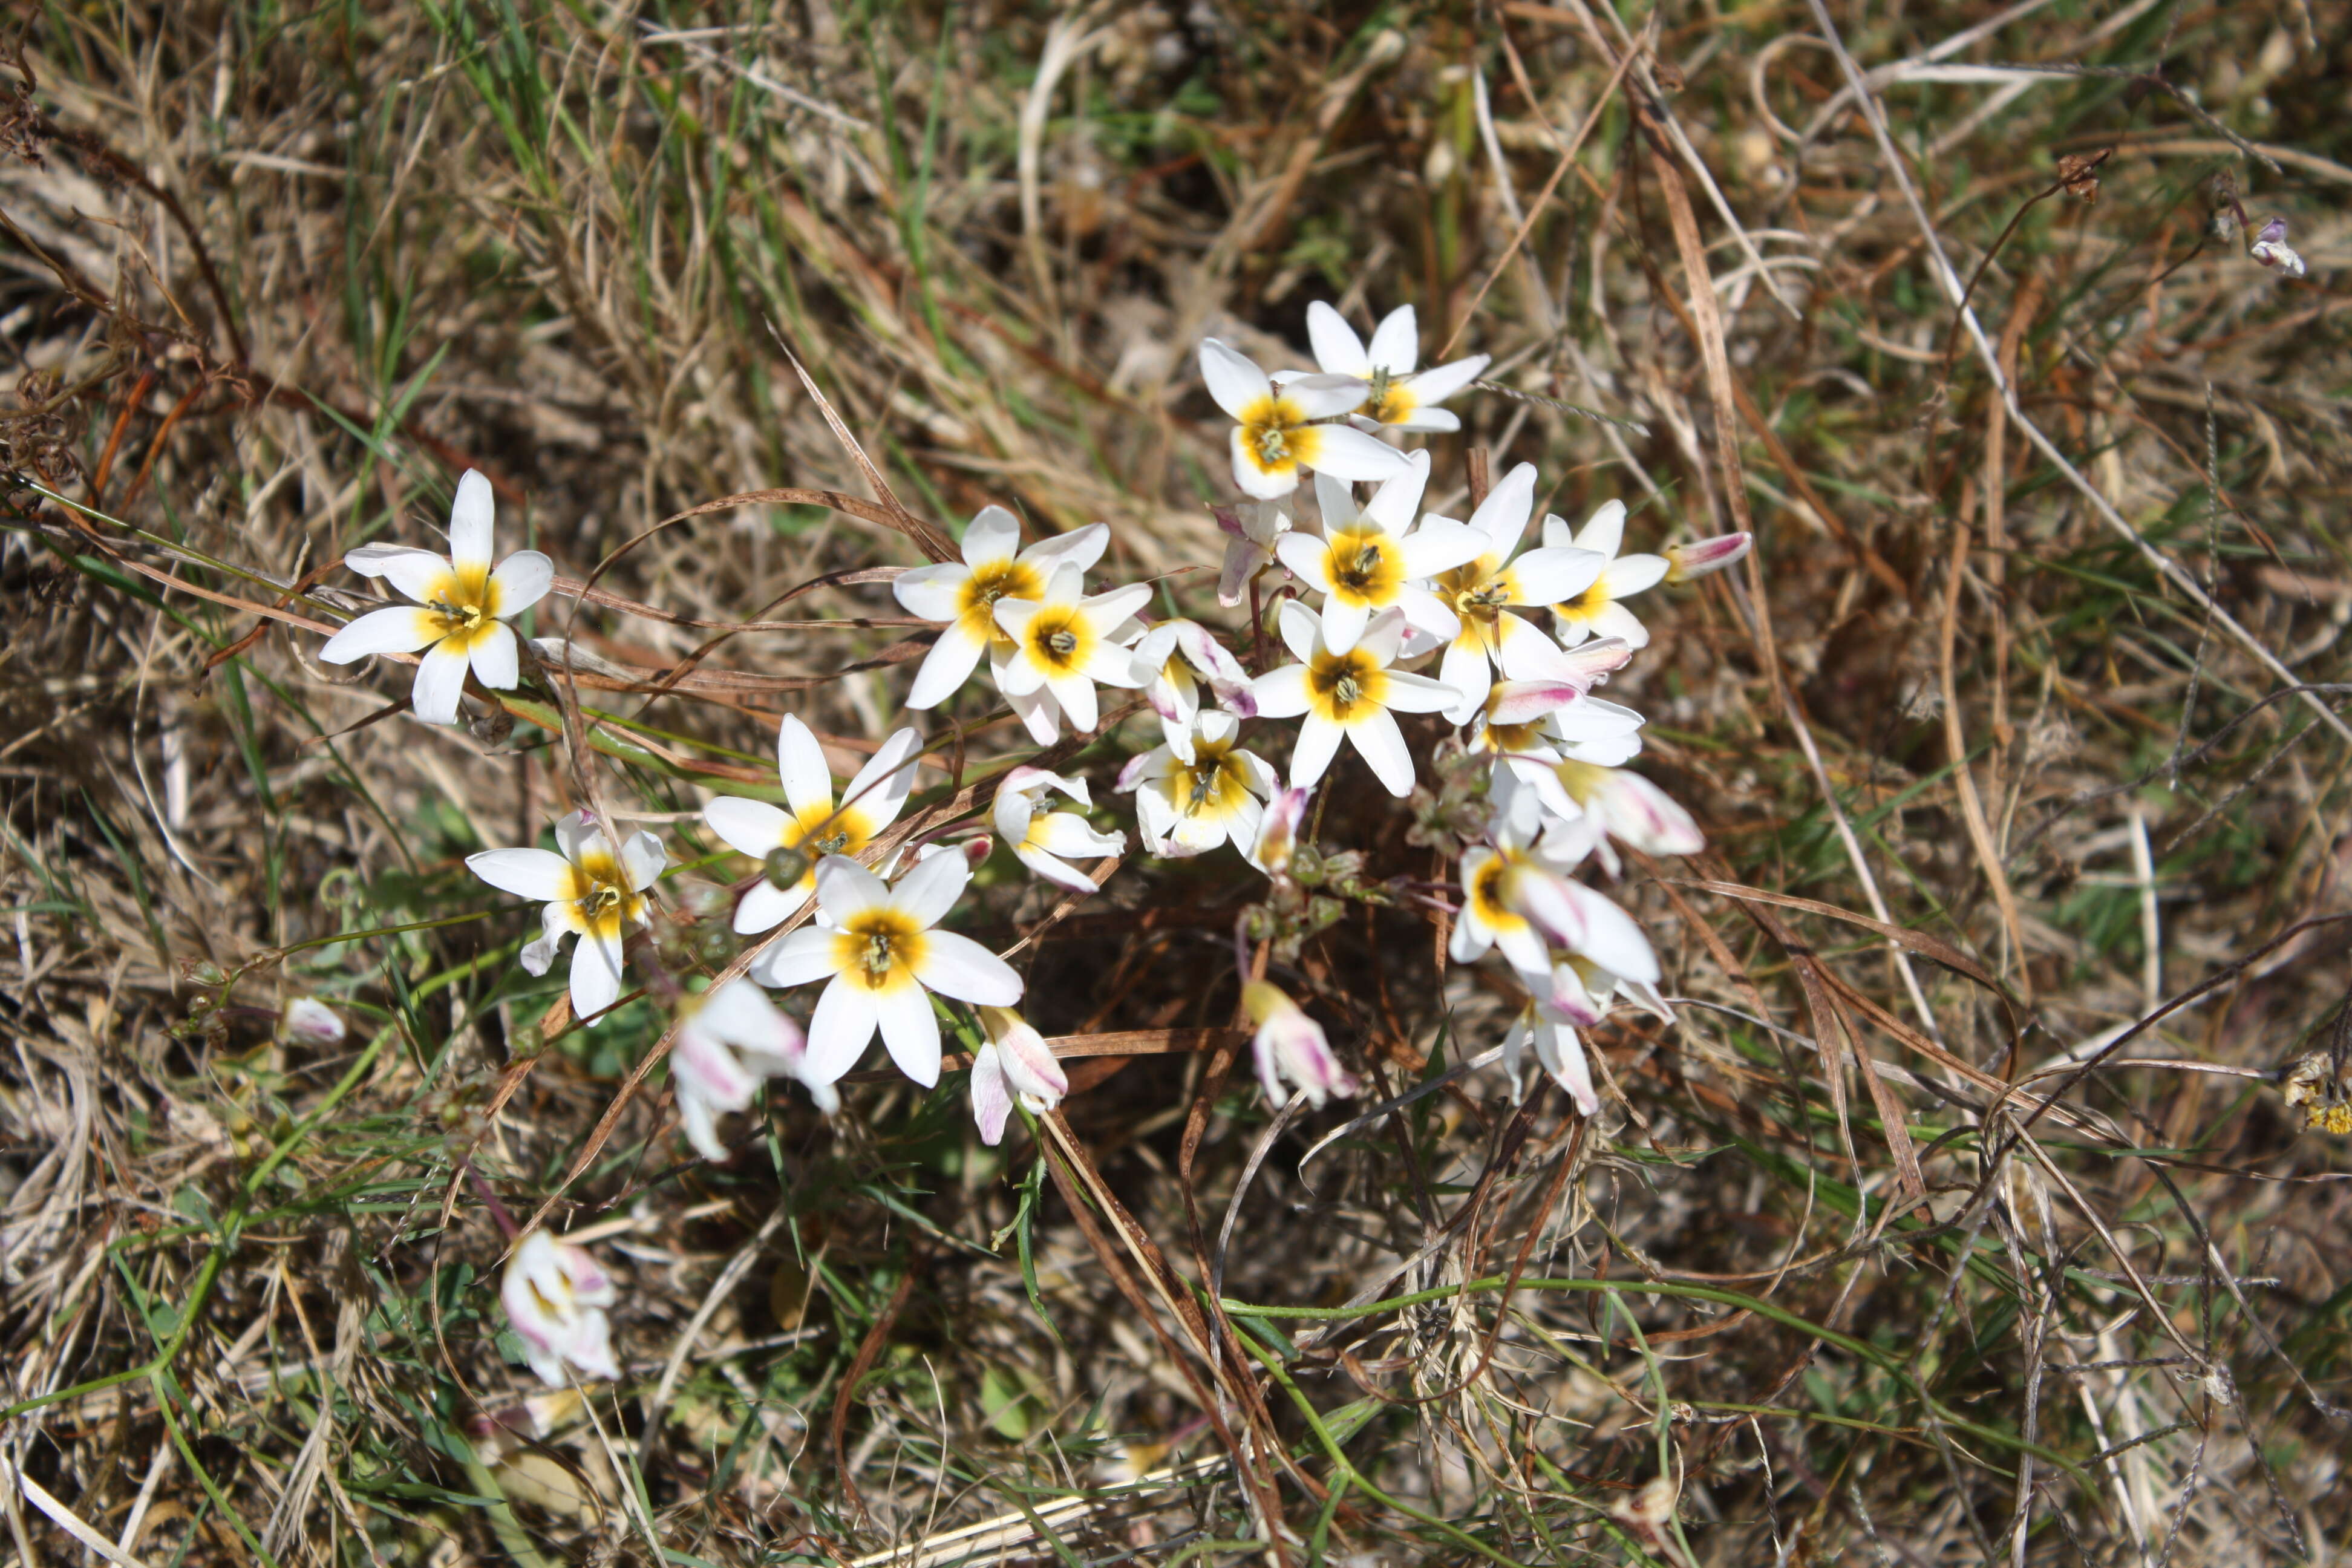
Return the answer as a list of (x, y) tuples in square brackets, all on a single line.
[(784, 866), (1684, 561), (2270, 248), (310, 1022)]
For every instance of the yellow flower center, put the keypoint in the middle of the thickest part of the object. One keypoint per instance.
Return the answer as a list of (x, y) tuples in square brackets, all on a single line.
[(1266, 433), (1510, 738), (879, 950), (1581, 780), (602, 895), (1584, 606), (1057, 638), (1343, 684), (1009, 579), (1392, 401), (1489, 889), (1365, 566), (1212, 782)]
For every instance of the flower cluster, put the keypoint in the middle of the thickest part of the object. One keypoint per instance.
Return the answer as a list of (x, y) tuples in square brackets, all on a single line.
[(1382, 624)]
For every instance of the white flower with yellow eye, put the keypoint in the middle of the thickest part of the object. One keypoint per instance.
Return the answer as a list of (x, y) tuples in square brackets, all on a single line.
[(1595, 611), (1064, 643), (462, 606), (1014, 1063), (1398, 396), (814, 826), (1482, 593), (1188, 803), (1512, 897), (1529, 727), (555, 1295), (1352, 695), (1374, 560), (965, 596), (883, 959), (1165, 662), (1276, 435), (592, 890), (729, 1038), (1047, 841)]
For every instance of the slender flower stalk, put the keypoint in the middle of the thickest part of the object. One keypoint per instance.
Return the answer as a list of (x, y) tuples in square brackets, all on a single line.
[(882, 960), (1047, 841), (1353, 696), (814, 826), (1276, 433), (1395, 394), (462, 604), (1374, 560), (729, 1038), (555, 1295), (590, 891), (965, 597), (1188, 801), (1013, 1064)]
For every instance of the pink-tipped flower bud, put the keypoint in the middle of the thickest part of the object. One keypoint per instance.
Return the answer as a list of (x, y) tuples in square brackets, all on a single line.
[(1278, 832), (1291, 1045), (555, 1296), (1684, 561), (2270, 248), (310, 1022), (1015, 1064)]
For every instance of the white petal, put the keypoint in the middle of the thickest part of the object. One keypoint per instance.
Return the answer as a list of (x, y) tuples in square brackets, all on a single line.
[(1076, 693), (377, 560), (1418, 694), (1343, 622), (960, 967), (1319, 740), (1052, 870), (1427, 421), (595, 976), (933, 592), (422, 575), (440, 682), (1438, 546), (522, 581), (946, 667), (399, 629), (1611, 939), (694, 1117), (882, 785), (994, 535), (1396, 341), (846, 890), (1066, 834), (1441, 381), (1629, 574), (1081, 548), (1038, 713), (991, 1102), (1299, 628), (748, 826), (1382, 745), (801, 764), (537, 874), (1394, 505), (1104, 611), (1605, 531), (1308, 557), (764, 907), (1614, 620), (1235, 380), (1347, 452), (841, 1028), (1281, 693), (1553, 575), (1424, 611), (472, 517), (1386, 634), (1335, 502), (910, 1030), (927, 893), (494, 657), (1502, 516), (642, 859), (1336, 347), (1466, 670), (1325, 397), (801, 957)]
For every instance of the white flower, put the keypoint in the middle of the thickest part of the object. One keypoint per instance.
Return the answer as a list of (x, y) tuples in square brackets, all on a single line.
[(1375, 560), (1481, 592), (1564, 913), (555, 1298), (1252, 531), (1014, 1063), (1398, 397), (1581, 994), (1512, 897), (1354, 694), (1290, 1044), (1188, 801), (1529, 727), (884, 959), (1629, 808), (2271, 250), (1595, 611), (464, 605), (1164, 662), (1278, 832), (1274, 436), (994, 567), (815, 825), (1684, 561), (311, 1022), (1064, 643), (589, 890), (1046, 841), (729, 1038)]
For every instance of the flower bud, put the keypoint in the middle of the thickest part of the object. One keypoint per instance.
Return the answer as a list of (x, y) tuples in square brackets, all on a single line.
[(310, 1022), (1684, 561), (1015, 1063), (1290, 1044), (555, 1296), (1277, 833), (2270, 248)]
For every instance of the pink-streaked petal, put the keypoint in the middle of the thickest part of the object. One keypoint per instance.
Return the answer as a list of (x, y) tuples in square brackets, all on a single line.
[(1611, 938), (960, 967), (991, 1100), (440, 682), (399, 629)]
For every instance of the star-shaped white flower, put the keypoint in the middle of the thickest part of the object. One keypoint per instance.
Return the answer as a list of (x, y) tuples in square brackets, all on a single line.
[(590, 889), (1014, 1063), (1374, 560), (1512, 897), (1251, 530), (555, 1295), (815, 825), (1353, 695), (1276, 436), (1065, 644), (1047, 841), (1189, 803), (461, 609), (1398, 396), (1529, 727), (729, 1038), (965, 597), (1596, 612), (1165, 662), (883, 957), (1482, 592)]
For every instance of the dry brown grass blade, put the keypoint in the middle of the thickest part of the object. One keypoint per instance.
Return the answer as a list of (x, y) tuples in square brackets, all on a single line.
[(934, 544), (868, 1348)]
